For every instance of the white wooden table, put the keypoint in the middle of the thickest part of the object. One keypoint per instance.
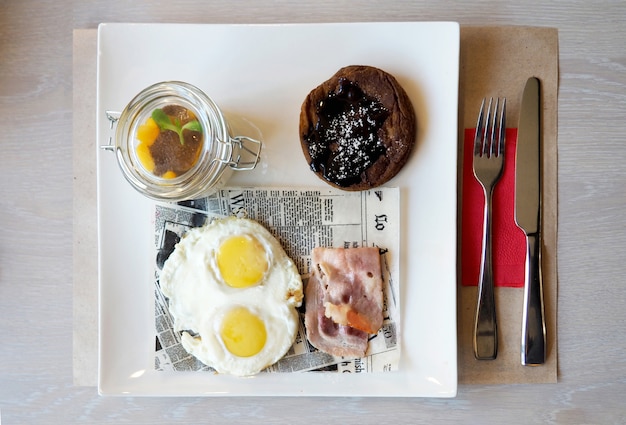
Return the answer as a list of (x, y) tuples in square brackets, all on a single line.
[(36, 217)]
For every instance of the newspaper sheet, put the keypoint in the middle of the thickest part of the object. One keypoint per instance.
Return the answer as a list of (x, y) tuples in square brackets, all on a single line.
[(300, 219)]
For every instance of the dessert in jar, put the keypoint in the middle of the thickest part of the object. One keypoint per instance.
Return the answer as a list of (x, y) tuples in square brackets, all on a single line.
[(173, 143)]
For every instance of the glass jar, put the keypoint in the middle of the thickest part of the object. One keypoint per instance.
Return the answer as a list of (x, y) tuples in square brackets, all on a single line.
[(219, 152)]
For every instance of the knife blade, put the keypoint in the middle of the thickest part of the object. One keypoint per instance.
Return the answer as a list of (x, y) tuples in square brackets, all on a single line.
[(528, 218)]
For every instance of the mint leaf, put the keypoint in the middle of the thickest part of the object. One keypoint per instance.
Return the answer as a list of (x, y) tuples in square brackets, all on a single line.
[(163, 120), (165, 123), (193, 126)]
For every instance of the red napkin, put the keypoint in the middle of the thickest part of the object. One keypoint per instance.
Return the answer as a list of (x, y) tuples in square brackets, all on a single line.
[(509, 241)]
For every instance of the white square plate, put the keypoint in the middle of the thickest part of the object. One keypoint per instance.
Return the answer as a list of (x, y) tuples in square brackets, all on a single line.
[(263, 73)]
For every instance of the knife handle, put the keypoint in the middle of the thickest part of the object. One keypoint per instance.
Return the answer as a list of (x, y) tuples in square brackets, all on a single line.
[(533, 323)]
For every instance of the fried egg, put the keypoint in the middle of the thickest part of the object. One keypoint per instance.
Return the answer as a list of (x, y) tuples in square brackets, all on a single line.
[(233, 292)]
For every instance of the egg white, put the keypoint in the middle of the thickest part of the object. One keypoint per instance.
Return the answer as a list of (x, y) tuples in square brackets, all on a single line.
[(280, 322), (199, 298)]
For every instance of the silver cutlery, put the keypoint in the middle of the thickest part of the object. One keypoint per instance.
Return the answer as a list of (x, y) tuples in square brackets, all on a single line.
[(528, 218), (487, 165)]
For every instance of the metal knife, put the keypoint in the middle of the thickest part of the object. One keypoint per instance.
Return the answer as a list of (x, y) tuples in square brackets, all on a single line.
[(528, 218)]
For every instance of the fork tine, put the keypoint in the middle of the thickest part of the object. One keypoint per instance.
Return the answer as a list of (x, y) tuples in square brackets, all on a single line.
[(488, 132), (502, 128), (493, 142), (479, 130)]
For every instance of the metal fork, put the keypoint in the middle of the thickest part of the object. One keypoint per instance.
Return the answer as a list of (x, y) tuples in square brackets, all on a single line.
[(488, 165)]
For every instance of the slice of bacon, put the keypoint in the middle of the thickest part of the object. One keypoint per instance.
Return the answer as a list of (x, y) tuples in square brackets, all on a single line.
[(344, 299)]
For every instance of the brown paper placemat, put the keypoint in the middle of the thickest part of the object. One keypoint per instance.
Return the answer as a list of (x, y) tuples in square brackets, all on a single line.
[(494, 62)]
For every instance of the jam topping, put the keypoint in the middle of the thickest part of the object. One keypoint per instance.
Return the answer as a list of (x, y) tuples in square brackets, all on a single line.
[(345, 141)]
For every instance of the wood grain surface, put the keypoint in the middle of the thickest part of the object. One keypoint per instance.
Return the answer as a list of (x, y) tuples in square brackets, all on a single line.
[(36, 215)]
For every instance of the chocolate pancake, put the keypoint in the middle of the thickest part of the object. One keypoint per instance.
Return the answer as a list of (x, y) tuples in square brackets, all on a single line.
[(357, 129)]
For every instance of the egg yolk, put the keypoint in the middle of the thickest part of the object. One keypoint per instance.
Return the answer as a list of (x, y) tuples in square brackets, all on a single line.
[(242, 261), (243, 332)]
